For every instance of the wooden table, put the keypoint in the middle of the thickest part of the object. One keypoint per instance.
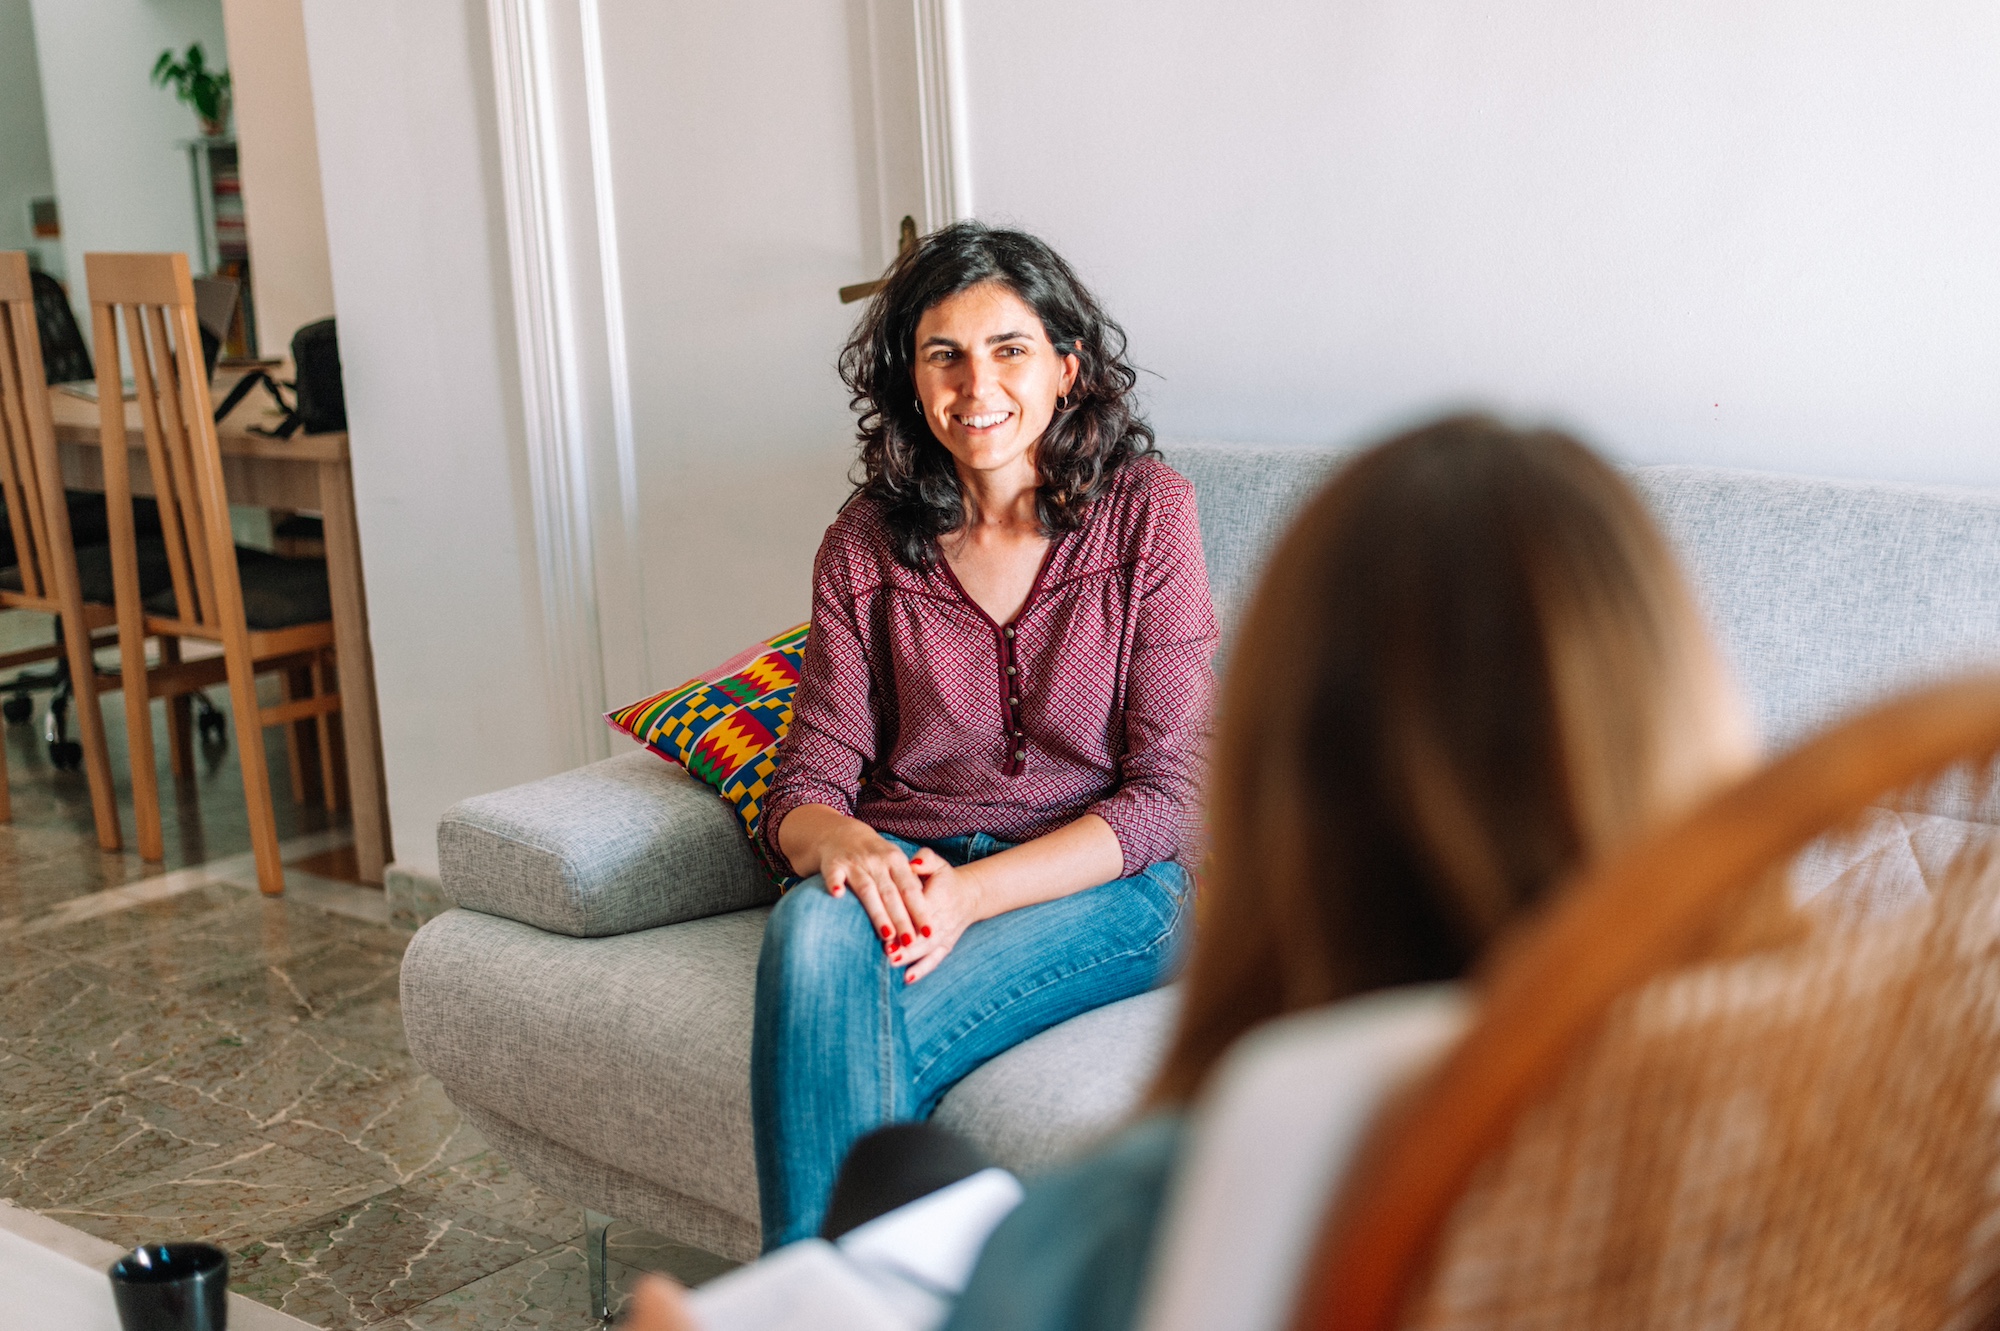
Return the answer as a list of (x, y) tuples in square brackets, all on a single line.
[(308, 472)]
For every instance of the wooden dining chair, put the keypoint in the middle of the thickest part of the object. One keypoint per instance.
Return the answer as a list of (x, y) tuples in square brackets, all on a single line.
[(1659, 1119), (270, 615), (44, 574)]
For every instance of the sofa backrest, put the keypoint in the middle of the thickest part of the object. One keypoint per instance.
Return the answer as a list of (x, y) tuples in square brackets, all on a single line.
[(1825, 594), (1246, 493)]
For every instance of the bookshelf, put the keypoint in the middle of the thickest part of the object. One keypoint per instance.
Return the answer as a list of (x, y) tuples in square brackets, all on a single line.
[(215, 173)]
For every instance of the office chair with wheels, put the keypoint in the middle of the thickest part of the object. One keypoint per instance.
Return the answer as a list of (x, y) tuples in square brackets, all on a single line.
[(65, 354)]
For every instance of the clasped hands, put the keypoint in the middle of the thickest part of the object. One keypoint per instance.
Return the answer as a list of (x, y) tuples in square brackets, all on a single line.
[(920, 904)]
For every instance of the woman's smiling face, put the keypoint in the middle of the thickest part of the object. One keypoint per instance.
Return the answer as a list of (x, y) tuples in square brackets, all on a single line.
[(988, 377)]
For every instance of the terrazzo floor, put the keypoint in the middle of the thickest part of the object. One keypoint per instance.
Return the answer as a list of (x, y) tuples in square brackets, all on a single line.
[(181, 1057)]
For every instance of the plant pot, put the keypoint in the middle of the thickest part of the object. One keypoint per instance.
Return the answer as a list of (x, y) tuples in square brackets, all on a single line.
[(217, 126)]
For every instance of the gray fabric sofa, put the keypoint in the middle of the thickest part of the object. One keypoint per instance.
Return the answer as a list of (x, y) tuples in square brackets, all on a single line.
[(588, 1002)]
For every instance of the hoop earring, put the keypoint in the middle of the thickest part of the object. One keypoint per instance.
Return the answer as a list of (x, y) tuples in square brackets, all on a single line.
[(920, 405), (1062, 403)]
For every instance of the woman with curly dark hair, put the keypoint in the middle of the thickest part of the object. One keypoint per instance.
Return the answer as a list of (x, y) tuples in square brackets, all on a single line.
[(989, 779)]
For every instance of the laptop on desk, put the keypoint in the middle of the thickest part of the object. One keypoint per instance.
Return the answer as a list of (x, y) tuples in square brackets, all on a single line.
[(214, 311)]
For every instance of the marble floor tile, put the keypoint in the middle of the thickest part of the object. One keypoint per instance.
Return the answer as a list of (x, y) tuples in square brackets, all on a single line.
[(50, 1004), (340, 974), (262, 1070), (21, 962), (376, 1026), (227, 1197), (381, 1257), (83, 939), (395, 1128), (74, 1140), (222, 946), (25, 1083), (43, 866), (547, 1292), (91, 1018), (489, 1184)]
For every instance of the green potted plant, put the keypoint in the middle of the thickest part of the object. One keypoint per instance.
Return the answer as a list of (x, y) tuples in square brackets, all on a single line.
[(204, 89)]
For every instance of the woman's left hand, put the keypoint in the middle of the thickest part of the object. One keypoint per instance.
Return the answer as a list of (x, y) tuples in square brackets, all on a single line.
[(951, 903)]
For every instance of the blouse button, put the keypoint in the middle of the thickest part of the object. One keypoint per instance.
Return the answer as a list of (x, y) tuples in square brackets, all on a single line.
[(1008, 631), (1013, 702), (1010, 671), (1020, 754)]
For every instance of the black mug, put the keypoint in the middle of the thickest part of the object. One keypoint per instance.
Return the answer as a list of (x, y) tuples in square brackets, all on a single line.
[(172, 1287)]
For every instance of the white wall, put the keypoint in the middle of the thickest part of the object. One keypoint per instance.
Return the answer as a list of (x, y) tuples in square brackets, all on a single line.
[(24, 143), (403, 101), (121, 182), (1746, 234), (279, 152), (736, 144)]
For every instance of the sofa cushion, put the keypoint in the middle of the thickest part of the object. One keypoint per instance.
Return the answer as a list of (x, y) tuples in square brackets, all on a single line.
[(1245, 494), (627, 843), (1827, 593), (635, 1051)]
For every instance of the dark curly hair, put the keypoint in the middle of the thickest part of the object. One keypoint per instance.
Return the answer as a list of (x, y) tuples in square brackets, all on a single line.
[(904, 467)]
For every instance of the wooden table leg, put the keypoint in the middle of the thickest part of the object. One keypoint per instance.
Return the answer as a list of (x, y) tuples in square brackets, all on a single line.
[(359, 725)]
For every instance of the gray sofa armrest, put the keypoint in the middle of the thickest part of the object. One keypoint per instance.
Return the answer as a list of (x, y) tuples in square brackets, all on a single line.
[(629, 843)]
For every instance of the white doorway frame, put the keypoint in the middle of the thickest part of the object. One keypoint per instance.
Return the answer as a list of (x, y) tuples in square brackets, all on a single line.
[(570, 321)]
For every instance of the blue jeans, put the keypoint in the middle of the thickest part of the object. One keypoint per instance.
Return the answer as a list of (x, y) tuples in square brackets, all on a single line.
[(842, 1046)]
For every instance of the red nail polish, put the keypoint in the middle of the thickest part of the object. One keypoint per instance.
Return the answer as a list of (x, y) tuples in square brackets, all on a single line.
[(926, 931), (885, 931), (904, 941), (909, 978)]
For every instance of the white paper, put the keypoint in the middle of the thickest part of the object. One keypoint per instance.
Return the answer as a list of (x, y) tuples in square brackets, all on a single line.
[(806, 1286), (898, 1272)]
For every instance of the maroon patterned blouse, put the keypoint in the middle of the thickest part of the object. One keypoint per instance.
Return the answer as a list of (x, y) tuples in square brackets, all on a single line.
[(920, 716)]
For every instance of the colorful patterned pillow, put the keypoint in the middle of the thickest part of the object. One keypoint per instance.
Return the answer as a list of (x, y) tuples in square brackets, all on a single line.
[(724, 726)]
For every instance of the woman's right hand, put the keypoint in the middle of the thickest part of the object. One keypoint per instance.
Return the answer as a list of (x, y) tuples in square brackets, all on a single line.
[(849, 855), (658, 1304)]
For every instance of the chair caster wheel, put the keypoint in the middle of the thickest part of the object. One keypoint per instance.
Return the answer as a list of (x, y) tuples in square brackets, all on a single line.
[(66, 754), (18, 708)]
